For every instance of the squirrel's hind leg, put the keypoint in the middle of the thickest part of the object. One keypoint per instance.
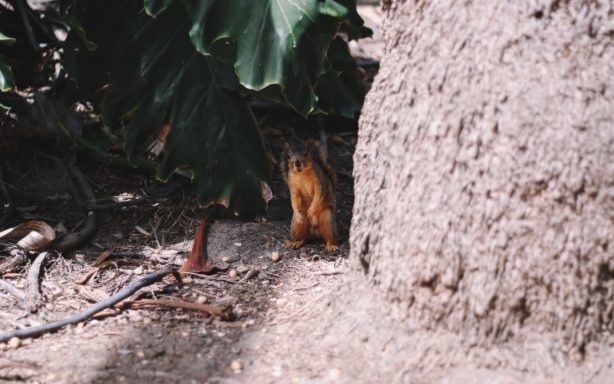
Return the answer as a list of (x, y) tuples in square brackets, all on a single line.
[(300, 232), (328, 229)]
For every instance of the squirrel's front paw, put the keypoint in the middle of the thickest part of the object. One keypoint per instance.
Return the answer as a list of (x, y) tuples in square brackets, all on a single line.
[(298, 218), (311, 211), (294, 244)]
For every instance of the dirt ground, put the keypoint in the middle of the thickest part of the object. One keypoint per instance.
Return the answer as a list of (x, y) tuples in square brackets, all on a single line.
[(160, 345), (307, 318)]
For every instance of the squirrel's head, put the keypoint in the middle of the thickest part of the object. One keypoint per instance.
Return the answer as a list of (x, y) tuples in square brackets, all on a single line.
[(299, 156)]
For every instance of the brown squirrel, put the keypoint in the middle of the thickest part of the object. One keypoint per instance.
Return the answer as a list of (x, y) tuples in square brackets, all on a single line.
[(312, 184)]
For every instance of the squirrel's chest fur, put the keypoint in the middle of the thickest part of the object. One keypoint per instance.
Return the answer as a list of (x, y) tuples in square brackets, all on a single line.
[(304, 184)]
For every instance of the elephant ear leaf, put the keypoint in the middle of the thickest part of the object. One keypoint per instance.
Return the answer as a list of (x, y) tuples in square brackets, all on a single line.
[(152, 72), (153, 7), (6, 75), (280, 43)]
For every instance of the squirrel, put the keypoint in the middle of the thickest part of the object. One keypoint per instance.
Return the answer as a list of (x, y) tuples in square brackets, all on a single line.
[(312, 184)]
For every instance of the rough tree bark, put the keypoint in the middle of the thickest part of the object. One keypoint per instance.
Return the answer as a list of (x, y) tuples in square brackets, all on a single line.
[(484, 171)]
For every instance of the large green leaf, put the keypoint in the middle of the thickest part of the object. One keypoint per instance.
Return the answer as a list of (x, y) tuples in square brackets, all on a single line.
[(279, 43), (4, 39), (153, 70), (6, 75)]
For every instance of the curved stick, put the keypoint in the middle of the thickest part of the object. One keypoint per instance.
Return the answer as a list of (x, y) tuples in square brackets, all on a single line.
[(33, 293), (111, 301)]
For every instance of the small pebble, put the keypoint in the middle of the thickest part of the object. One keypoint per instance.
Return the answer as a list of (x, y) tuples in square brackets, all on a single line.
[(140, 354), (14, 343), (236, 366), (225, 258), (275, 256), (186, 279), (232, 273), (334, 374), (201, 299)]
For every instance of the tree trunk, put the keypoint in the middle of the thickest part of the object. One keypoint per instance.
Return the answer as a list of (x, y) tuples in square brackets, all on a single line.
[(484, 171)]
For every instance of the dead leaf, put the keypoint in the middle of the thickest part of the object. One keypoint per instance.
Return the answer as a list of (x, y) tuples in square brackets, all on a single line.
[(103, 256), (142, 231), (251, 273), (242, 269), (265, 190), (338, 140), (34, 235), (91, 294)]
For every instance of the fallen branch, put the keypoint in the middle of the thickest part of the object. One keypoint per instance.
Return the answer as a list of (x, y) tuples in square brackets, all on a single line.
[(212, 309), (111, 301), (34, 298), (10, 288)]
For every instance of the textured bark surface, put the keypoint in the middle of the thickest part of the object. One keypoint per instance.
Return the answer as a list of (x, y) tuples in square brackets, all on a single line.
[(484, 172)]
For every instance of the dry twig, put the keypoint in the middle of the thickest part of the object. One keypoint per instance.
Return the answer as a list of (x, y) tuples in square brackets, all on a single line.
[(210, 278), (111, 301), (10, 288), (8, 363), (329, 273), (136, 304)]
